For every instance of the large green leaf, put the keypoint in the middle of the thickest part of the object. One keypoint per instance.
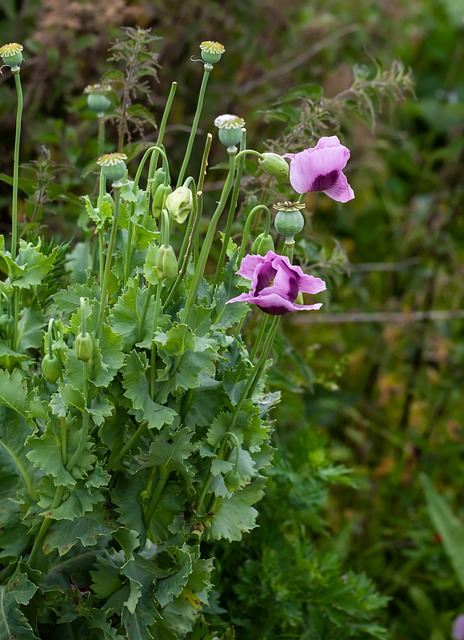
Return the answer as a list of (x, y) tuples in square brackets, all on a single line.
[(15, 469), (13, 624), (136, 385), (128, 312), (171, 450), (448, 526), (13, 392)]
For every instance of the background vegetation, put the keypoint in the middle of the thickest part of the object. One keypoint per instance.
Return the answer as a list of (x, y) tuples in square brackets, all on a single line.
[(379, 394)]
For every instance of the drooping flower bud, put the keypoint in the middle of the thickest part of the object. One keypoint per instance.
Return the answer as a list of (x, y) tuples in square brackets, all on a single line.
[(275, 166), (159, 199), (51, 368), (166, 262), (96, 98), (113, 166), (262, 244), (84, 347), (11, 54), (211, 52), (289, 220), (179, 204), (233, 481), (230, 129)]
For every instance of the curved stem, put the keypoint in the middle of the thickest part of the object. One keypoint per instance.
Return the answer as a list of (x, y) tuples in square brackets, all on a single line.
[(196, 119), (246, 229), (44, 527), (162, 129)]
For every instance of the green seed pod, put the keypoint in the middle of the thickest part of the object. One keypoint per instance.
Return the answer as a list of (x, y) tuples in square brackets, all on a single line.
[(275, 166), (166, 262), (84, 347), (179, 204), (159, 199), (6, 326), (230, 129), (262, 244), (211, 52), (113, 166), (51, 368), (289, 220), (11, 54), (98, 102), (233, 481)]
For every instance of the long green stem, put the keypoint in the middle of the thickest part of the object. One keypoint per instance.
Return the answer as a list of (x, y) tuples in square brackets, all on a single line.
[(14, 203), (206, 247), (231, 213), (153, 344), (101, 135), (44, 527), (196, 119), (108, 262), (85, 420), (246, 229), (156, 495)]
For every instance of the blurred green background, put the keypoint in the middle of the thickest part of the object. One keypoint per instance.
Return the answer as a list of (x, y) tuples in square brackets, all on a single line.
[(379, 394)]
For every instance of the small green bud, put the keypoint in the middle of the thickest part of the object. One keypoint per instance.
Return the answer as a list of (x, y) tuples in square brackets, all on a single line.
[(166, 262), (179, 204), (51, 368), (262, 244), (84, 347), (230, 129), (159, 199), (113, 166), (11, 54), (233, 481), (275, 166), (6, 326), (157, 180), (289, 220), (211, 52)]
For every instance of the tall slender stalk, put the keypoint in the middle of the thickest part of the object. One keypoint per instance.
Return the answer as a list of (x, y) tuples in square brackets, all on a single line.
[(196, 119)]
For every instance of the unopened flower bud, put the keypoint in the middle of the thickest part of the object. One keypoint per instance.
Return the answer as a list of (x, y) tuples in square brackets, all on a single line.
[(233, 481), (289, 220), (275, 166), (113, 166), (179, 204), (51, 368), (262, 244), (166, 262), (159, 199), (230, 129), (211, 52), (84, 347), (11, 54)]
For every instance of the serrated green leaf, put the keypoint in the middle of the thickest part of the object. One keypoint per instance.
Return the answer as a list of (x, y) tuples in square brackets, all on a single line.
[(30, 329), (64, 534), (171, 450), (128, 312), (68, 397), (235, 515), (13, 392), (106, 574), (68, 300), (170, 587), (136, 385), (13, 623), (14, 537), (33, 265)]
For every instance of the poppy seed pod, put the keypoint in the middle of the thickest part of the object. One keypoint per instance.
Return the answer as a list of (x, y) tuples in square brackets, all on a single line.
[(96, 98), (289, 220), (230, 129), (11, 54), (211, 52), (113, 166), (275, 166), (179, 204)]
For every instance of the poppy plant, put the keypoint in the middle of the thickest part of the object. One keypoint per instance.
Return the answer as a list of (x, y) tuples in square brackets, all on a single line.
[(319, 168), (276, 283)]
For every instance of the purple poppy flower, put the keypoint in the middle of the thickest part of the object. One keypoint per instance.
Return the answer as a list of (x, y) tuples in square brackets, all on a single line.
[(275, 284), (458, 628), (320, 169)]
